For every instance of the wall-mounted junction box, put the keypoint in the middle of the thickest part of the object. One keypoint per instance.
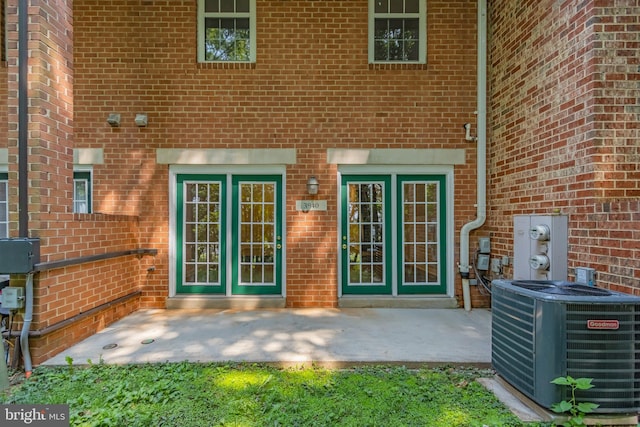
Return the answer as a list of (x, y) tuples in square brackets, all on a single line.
[(586, 276), (484, 244), (19, 256), (12, 297)]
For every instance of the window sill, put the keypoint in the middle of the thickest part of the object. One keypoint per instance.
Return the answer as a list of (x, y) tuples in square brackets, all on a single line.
[(397, 66), (226, 65)]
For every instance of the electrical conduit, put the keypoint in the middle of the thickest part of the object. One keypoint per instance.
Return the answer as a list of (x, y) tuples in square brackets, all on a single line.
[(26, 325), (481, 180)]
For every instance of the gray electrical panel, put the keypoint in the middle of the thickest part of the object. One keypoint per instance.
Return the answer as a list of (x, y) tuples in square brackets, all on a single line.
[(19, 256)]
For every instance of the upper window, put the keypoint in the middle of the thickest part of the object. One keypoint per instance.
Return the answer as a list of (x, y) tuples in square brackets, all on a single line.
[(82, 191), (4, 205), (398, 31), (226, 31)]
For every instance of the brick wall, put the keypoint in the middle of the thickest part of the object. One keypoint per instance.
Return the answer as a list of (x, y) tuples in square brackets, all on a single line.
[(563, 128), (62, 294), (311, 89)]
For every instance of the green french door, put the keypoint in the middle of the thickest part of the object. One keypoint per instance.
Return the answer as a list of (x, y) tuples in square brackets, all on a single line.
[(366, 235), (421, 234), (257, 235), (210, 253), (369, 253), (201, 238)]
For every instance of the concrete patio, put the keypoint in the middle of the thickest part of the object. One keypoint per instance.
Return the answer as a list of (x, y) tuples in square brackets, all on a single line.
[(330, 337)]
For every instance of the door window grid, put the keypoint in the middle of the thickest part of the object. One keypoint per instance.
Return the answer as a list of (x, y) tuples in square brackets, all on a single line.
[(257, 233), (4, 205), (365, 234), (421, 244), (202, 226), (227, 31)]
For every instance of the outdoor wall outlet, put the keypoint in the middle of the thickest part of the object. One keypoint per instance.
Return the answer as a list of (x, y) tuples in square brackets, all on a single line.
[(495, 265)]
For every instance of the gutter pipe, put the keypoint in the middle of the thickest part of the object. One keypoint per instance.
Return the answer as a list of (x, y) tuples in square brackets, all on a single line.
[(23, 168), (23, 119), (481, 180)]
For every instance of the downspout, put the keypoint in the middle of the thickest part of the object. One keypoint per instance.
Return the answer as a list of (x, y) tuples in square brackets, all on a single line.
[(23, 119), (23, 168), (481, 180)]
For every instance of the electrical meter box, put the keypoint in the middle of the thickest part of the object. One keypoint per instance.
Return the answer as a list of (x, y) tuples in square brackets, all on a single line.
[(540, 247), (19, 256)]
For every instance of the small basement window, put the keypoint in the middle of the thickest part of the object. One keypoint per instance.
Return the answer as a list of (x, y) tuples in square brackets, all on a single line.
[(82, 191)]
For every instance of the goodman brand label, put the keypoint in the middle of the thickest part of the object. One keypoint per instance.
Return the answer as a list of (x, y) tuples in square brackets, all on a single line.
[(603, 324), (34, 415)]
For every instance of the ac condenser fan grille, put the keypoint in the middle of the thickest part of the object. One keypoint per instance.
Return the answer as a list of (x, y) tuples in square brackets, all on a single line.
[(604, 355)]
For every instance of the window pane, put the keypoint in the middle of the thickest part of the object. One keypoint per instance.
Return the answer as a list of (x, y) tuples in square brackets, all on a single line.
[(412, 6), (3, 230), (227, 39), (396, 6), (227, 6), (382, 6), (211, 6), (242, 5)]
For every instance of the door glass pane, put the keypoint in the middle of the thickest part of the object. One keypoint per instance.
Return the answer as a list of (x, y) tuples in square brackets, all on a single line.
[(201, 242), (257, 236), (420, 237), (365, 238)]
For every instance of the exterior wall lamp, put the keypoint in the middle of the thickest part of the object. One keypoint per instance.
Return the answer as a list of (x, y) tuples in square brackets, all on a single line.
[(312, 185), (114, 120)]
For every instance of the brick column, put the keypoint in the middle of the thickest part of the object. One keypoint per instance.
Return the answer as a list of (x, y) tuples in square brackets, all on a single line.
[(50, 114)]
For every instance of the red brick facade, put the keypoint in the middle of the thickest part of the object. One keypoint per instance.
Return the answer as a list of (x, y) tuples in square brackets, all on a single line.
[(564, 128), (562, 133)]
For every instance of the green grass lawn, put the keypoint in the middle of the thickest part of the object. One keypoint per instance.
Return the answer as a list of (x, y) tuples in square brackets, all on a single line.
[(213, 394)]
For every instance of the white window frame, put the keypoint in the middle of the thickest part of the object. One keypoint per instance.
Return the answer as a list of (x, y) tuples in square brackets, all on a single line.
[(89, 189), (4, 204), (422, 32), (252, 30)]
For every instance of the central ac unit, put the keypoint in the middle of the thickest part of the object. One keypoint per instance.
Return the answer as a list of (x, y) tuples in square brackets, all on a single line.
[(542, 330)]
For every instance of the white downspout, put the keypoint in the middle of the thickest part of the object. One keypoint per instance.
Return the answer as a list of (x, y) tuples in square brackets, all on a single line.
[(481, 204)]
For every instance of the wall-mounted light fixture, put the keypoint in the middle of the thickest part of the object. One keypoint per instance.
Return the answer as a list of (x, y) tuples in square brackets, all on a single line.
[(141, 120), (312, 185), (114, 120)]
